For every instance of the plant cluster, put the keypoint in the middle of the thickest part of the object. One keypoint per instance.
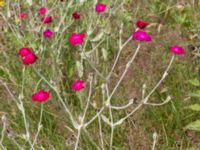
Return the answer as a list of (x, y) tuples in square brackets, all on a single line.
[(42, 35)]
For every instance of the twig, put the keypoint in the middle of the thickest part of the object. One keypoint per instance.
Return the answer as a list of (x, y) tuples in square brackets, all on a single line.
[(145, 100), (77, 139), (74, 123), (22, 109), (154, 140), (39, 126), (17, 144), (85, 111), (161, 80), (159, 104), (107, 103), (101, 133), (124, 106), (9, 91), (3, 118), (118, 55), (124, 73)]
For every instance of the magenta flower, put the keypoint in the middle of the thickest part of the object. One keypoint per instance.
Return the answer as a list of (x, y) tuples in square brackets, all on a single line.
[(76, 38), (177, 50), (24, 51), (100, 7), (141, 24), (47, 19), (40, 96), (77, 85), (141, 36), (76, 15), (42, 10), (47, 33), (29, 59), (22, 15)]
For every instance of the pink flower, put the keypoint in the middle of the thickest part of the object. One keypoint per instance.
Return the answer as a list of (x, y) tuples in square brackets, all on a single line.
[(47, 19), (24, 51), (76, 15), (76, 38), (177, 50), (47, 33), (141, 36), (29, 59), (22, 15), (77, 85), (100, 7), (42, 10), (141, 24), (40, 96)]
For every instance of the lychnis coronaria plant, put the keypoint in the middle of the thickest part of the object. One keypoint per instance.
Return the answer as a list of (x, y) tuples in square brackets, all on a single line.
[(68, 53)]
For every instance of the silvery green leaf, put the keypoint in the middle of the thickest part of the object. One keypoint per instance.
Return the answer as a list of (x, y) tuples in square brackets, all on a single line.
[(42, 148), (85, 55), (119, 122), (105, 54), (24, 136), (70, 4), (90, 31), (37, 29), (98, 37), (194, 126), (56, 29), (155, 135), (21, 96), (194, 82), (195, 94), (29, 2), (105, 119), (20, 107), (8, 9), (80, 118), (79, 66), (164, 90), (3, 118), (107, 29), (81, 1), (195, 107)]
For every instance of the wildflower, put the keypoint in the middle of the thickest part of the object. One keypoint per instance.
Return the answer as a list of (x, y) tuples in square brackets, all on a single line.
[(177, 50), (141, 24), (141, 36), (29, 59), (76, 38), (22, 15), (76, 15), (2, 3), (42, 10), (24, 51), (100, 7), (77, 85), (47, 33), (47, 19), (40, 96)]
